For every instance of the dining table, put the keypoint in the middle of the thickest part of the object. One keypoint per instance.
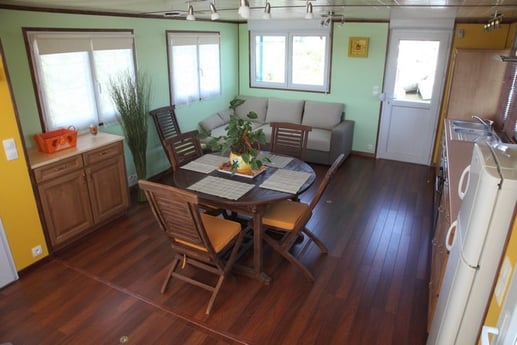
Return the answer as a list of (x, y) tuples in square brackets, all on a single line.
[(281, 177)]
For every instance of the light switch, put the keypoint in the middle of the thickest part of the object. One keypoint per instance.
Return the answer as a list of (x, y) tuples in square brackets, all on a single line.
[(10, 149)]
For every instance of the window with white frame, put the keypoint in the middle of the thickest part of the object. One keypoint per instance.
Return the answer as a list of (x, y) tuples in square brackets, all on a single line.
[(73, 70), (194, 66), (290, 55)]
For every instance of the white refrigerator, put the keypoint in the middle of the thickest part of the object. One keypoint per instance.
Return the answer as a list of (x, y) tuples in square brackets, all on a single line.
[(488, 189)]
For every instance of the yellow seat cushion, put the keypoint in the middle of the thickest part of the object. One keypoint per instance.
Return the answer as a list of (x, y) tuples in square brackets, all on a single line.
[(220, 232), (284, 214)]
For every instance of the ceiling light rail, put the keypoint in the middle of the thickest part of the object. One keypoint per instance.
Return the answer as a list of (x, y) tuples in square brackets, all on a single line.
[(494, 22)]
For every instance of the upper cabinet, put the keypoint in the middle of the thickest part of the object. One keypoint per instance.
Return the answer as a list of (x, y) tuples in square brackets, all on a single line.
[(477, 80)]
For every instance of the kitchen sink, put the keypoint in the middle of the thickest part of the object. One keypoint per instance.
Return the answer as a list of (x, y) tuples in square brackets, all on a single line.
[(471, 131), (468, 124)]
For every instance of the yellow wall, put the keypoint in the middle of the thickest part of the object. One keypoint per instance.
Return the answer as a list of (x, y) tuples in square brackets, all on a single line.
[(18, 209), (494, 309), (471, 36)]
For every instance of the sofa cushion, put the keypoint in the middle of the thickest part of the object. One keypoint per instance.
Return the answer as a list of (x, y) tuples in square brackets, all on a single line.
[(284, 110), (319, 139), (212, 122), (322, 114), (256, 104), (218, 132), (225, 115)]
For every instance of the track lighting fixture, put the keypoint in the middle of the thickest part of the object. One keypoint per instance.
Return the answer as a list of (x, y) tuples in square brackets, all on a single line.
[(267, 11), (244, 9), (190, 14), (214, 15), (494, 22), (308, 10)]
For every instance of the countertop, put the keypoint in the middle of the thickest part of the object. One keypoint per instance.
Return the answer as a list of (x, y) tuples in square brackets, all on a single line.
[(85, 142), (459, 155)]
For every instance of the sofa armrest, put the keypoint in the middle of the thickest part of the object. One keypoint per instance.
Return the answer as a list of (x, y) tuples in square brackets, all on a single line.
[(341, 139)]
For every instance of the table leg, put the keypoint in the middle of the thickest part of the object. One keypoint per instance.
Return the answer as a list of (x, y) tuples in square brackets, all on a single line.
[(256, 272)]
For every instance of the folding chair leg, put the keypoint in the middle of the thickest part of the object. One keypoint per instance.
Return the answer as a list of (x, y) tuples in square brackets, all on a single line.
[(289, 257), (174, 264), (316, 240), (214, 294)]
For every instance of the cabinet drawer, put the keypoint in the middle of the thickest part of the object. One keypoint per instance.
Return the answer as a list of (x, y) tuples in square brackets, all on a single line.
[(103, 153), (60, 168)]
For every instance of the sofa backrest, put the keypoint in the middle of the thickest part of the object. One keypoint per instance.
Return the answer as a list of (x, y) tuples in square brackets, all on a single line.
[(317, 114), (284, 110), (252, 103), (324, 115)]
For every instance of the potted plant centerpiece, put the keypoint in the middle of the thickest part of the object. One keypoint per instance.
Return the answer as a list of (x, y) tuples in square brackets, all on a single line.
[(241, 141)]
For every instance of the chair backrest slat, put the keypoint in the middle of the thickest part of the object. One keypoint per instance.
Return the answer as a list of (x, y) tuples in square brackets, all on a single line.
[(183, 148), (165, 122), (177, 212), (289, 138)]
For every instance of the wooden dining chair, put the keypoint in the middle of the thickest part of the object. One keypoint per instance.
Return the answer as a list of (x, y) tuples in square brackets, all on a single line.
[(197, 239), (290, 218), (289, 138), (183, 148), (165, 122)]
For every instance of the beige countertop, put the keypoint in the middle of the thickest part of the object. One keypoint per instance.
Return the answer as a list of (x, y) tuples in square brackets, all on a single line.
[(85, 142), (459, 155)]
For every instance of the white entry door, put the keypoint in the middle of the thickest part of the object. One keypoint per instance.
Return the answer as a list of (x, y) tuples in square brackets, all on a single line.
[(415, 74), (8, 272)]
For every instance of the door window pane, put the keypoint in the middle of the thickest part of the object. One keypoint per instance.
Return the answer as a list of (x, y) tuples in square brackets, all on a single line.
[(416, 66)]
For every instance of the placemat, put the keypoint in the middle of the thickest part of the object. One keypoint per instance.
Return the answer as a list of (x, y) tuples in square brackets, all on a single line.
[(222, 187), (287, 181), (276, 160), (205, 164)]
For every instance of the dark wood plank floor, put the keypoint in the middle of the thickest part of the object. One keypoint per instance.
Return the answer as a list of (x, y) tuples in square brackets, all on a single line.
[(370, 289)]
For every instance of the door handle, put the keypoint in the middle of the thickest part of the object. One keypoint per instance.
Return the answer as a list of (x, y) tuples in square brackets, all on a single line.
[(484, 334), (466, 172)]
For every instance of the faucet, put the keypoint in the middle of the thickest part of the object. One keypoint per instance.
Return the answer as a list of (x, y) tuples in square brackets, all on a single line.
[(487, 123)]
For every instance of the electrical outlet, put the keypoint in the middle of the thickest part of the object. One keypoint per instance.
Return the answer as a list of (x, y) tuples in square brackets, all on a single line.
[(370, 147), (37, 251), (132, 180)]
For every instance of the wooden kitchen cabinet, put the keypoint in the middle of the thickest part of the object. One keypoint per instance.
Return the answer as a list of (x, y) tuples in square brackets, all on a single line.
[(80, 193)]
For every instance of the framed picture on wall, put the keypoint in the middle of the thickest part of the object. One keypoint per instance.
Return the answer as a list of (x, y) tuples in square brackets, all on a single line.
[(358, 46)]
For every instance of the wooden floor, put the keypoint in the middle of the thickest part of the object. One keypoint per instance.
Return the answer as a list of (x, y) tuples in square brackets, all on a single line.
[(370, 289)]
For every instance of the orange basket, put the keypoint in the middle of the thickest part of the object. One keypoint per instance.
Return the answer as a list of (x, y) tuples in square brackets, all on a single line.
[(57, 140)]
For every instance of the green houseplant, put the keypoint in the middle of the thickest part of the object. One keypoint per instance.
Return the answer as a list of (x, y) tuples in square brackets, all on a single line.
[(241, 141), (131, 98)]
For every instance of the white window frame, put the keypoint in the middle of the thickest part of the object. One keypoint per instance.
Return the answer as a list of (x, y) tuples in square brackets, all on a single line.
[(63, 41), (289, 30), (201, 89)]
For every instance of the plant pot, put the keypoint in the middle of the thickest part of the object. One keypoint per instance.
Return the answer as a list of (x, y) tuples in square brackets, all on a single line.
[(242, 166)]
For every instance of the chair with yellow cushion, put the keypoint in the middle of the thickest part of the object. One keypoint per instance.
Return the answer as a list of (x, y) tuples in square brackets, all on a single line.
[(290, 218), (197, 239)]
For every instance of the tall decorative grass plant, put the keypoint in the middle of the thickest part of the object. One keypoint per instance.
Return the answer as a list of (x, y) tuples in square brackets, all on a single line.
[(131, 98)]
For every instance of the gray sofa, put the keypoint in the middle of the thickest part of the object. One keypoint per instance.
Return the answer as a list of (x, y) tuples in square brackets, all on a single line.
[(331, 134)]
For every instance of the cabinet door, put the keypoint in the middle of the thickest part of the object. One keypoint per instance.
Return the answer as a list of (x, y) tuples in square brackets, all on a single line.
[(66, 206), (108, 188)]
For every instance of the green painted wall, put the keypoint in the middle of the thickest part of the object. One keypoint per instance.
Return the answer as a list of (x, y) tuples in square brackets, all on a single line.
[(352, 81), (151, 54)]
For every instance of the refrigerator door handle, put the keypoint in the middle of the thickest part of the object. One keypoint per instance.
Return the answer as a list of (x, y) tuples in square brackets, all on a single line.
[(449, 243), (466, 172), (484, 334)]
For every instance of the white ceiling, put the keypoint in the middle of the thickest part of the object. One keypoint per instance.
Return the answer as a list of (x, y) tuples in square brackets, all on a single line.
[(352, 10)]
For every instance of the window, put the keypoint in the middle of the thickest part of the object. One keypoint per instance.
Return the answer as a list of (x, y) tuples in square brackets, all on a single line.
[(290, 55), (73, 71), (194, 66)]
